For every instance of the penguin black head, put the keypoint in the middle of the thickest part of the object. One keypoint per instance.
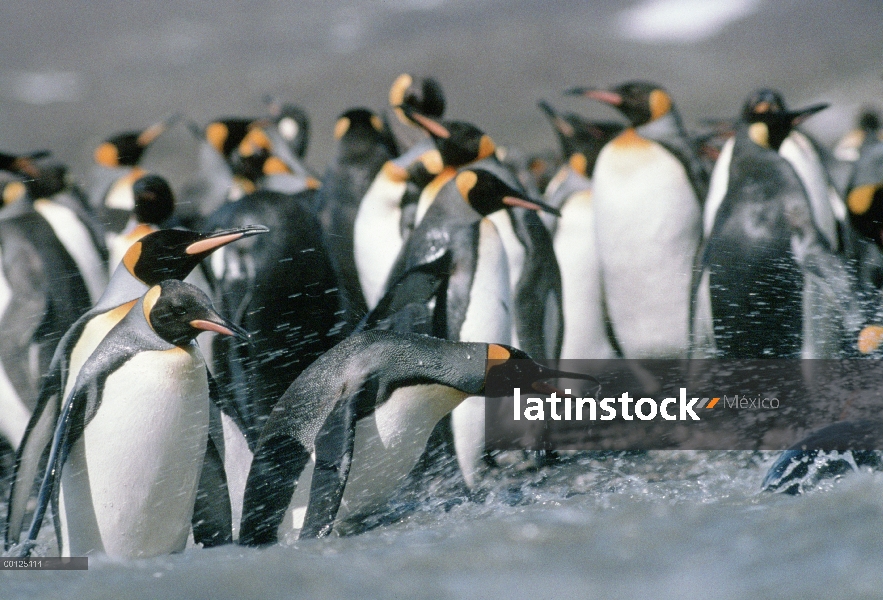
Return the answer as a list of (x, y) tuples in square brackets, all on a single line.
[(769, 129), (253, 157), (154, 200), (173, 253), (178, 312), (641, 102), (22, 164), (763, 101), (422, 94), (487, 193), (581, 140), (509, 368), (126, 149), (292, 123), (869, 120), (358, 131), (458, 142), (225, 135)]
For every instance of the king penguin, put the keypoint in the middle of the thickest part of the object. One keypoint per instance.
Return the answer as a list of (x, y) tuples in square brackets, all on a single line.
[(362, 148), (585, 333), (647, 187), (361, 416), (116, 167), (165, 254), (127, 452), (762, 246)]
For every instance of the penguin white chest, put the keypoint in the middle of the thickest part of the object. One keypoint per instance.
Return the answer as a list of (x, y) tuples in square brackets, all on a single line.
[(129, 485), (648, 224), (389, 442)]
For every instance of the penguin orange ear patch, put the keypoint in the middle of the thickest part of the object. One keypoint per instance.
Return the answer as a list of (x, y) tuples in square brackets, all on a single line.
[(130, 259), (579, 163), (106, 155), (13, 192), (377, 123), (341, 127), (275, 166), (398, 89), (870, 339), (660, 103), (486, 147), (216, 134)]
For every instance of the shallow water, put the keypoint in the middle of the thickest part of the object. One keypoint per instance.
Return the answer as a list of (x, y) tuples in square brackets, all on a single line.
[(661, 525)]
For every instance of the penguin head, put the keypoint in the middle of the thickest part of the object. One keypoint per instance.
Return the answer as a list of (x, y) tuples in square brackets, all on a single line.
[(581, 141), (12, 191), (869, 120), (458, 142), (178, 312), (488, 193), (253, 157), (22, 164), (154, 200), (173, 253), (509, 368), (358, 131), (291, 122), (225, 135), (641, 102), (422, 94), (769, 120), (126, 149)]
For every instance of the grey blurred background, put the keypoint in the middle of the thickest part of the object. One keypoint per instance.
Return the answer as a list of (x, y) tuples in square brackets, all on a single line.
[(74, 73)]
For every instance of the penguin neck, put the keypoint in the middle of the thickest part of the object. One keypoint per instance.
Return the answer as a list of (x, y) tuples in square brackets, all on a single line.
[(123, 287), (666, 126), (16, 209)]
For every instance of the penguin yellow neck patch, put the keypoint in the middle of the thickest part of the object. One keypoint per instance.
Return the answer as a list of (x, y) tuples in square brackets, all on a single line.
[(496, 355), (579, 163), (150, 299), (130, 259), (861, 198), (432, 161), (275, 166), (630, 139), (465, 182), (13, 192), (759, 133)]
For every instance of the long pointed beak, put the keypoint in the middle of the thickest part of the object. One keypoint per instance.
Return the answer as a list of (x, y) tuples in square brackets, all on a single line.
[(531, 205), (605, 96), (433, 127), (219, 324), (149, 135), (224, 237), (799, 116), (557, 122)]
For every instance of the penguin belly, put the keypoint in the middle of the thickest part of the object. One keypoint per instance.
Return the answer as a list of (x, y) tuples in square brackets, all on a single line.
[(648, 224), (377, 237), (488, 319), (75, 238), (129, 485), (798, 151), (387, 445), (585, 330), (515, 257), (717, 187)]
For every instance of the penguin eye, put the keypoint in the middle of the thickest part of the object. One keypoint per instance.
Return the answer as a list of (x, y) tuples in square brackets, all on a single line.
[(179, 310)]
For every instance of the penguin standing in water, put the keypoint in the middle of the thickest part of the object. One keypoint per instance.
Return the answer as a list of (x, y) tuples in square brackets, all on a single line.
[(361, 151), (451, 281), (648, 184), (126, 457), (116, 168), (762, 246), (361, 416), (166, 254)]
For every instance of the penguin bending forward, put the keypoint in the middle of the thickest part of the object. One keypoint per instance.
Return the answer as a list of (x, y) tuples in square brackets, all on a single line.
[(128, 449), (362, 415)]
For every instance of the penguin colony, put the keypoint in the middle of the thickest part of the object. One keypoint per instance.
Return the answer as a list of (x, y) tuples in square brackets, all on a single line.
[(348, 324)]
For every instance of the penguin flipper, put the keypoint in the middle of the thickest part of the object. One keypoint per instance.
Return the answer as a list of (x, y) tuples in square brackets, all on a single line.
[(334, 454), (212, 516)]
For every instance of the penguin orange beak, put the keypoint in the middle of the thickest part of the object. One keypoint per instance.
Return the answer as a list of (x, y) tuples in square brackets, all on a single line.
[(530, 205), (605, 96), (433, 127), (221, 325), (224, 237)]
